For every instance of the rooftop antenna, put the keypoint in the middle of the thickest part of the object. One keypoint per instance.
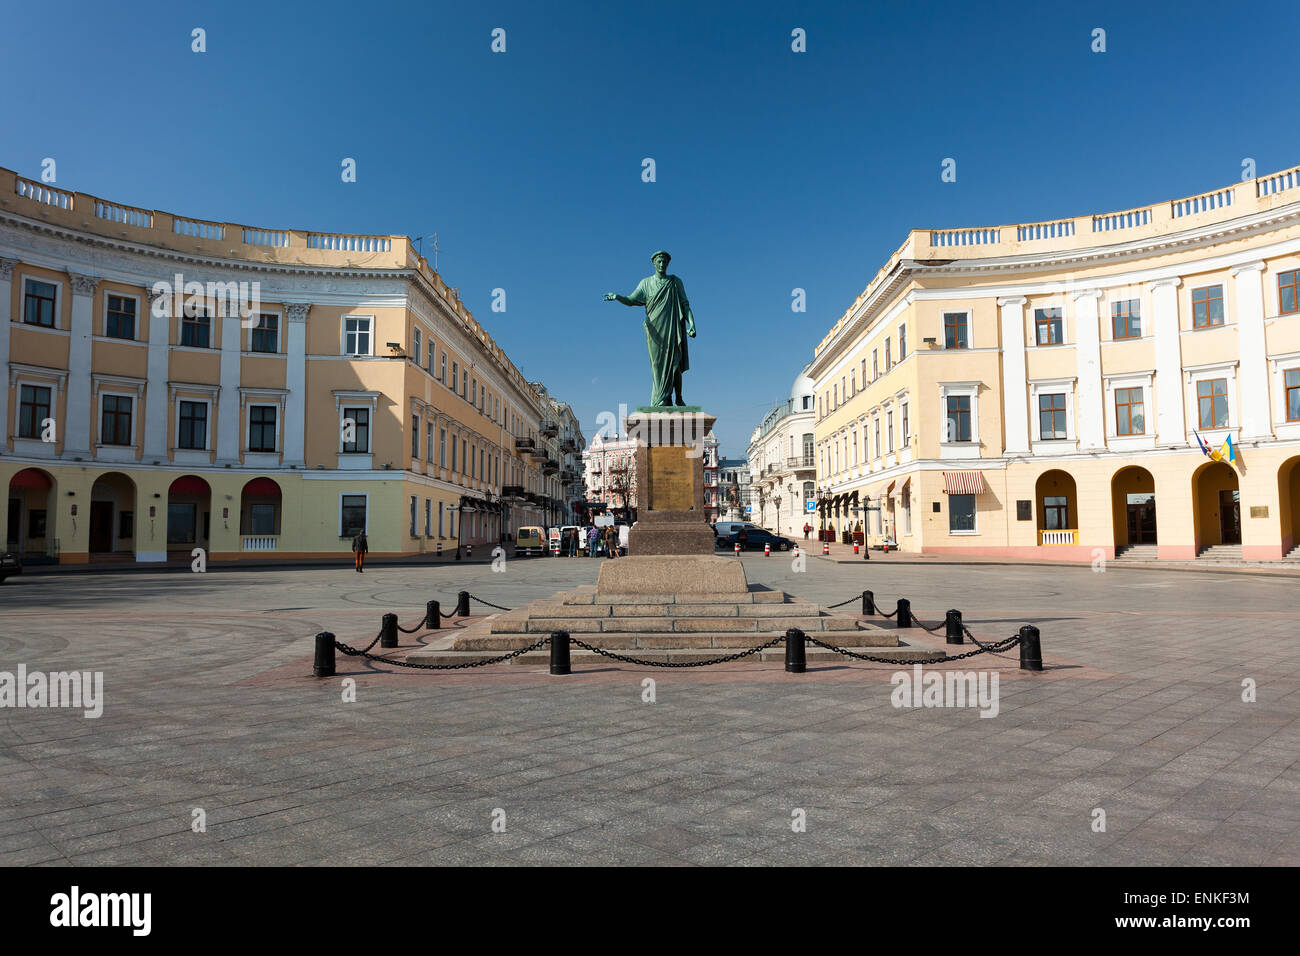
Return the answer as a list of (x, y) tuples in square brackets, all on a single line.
[(420, 240)]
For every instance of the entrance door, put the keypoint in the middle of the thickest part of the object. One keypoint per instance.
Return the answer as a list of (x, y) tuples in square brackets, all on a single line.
[(101, 526), (15, 516), (1142, 519), (1230, 516)]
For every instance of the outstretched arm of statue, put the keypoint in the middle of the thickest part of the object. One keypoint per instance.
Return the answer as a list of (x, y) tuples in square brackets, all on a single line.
[(615, 297)]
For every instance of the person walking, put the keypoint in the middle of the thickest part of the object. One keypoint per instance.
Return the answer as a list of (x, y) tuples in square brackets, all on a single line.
[(611, 542), (592, 536), (807, 530), (742, 536), (624, 535), (359, 548)]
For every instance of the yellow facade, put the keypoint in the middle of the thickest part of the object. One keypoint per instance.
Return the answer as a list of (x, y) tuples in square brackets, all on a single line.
[(1056, 377), (264, 420)]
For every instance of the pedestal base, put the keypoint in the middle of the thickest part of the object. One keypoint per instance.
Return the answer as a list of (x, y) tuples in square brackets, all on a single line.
[(672, 574)]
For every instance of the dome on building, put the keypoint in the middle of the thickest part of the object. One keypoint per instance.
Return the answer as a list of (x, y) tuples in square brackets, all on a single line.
[(802, 388)]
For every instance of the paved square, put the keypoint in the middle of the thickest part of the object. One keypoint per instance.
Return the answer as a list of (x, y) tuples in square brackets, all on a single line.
[(209, 704)]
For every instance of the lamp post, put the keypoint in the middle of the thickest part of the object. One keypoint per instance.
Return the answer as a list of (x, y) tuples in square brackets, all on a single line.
[(776, 500), (462, 510)]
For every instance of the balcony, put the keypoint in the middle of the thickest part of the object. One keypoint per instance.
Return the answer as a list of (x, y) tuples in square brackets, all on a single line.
[(550, 466), (1063, 536), (799, 463), (568, 446), (258, 542), (523, 443), (549, 428), (538, 454), (512, 492), (568, 475)]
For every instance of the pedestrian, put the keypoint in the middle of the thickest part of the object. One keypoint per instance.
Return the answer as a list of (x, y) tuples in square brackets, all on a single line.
[(807, 530), (624, 534), (592, 535), (359, 548), (742, 537), (611, 542)]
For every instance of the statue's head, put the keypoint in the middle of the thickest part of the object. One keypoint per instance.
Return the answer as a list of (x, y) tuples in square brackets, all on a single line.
[(661, 260)]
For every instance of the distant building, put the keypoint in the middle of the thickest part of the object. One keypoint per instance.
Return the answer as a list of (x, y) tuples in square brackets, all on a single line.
[(782, 463), (733, 481), (609, 473)]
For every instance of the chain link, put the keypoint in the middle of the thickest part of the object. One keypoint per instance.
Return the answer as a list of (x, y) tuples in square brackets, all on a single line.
[(932, 630), (717, 660), (831, 607), (412, 630), (489, 603), (1011, 641), (353, 652)]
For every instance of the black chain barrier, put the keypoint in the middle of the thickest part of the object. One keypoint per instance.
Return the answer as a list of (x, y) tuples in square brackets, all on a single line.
[(716, 660), (353, 652), (418, 627), (831, 607), (490, 604), (932, 630), (1010, 642)]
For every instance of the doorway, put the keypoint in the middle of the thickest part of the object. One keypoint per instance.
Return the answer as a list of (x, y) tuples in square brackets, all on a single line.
[(1230, 516), (1141, 519), (101, 526)]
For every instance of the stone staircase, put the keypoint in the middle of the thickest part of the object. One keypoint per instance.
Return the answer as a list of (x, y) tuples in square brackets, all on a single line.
[(1137, 552), (1220, 552), (668, 627)]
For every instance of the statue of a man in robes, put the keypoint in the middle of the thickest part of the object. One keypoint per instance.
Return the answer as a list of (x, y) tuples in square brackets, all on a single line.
[(668, 323)]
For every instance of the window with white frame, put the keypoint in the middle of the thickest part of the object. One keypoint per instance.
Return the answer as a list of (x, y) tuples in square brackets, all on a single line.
[(417, 344), (262, 427), (192, 426), (415, 437), (1052, 402), (40, 303), (959, 406), (119, 316), (352, 515), (428, 518), (1213, 396), (116, 419), (265, 335), (34, 403), (357, 335), (359, 430)]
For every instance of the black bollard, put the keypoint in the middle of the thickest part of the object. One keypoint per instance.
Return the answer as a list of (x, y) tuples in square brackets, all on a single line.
[(903, 617), (388, 631), (462, 604), (324, 666), (796, 660), (560, 652), (953, 623), (433, 615), (1031, 652), (868, 603)]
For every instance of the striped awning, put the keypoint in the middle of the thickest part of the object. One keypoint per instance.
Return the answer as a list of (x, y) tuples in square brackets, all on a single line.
[(964, 483)]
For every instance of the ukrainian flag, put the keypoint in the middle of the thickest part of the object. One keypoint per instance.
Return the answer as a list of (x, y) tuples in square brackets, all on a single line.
[(1226, 451)]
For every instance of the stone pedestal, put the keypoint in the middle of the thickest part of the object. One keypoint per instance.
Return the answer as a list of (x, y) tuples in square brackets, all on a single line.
[(671, 517)]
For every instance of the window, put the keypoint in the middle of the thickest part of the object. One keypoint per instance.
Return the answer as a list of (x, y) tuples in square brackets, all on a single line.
[(442, 370), (115, 423), (1049, 326), (958, 418), (260, 519), (875, 365), (36, 522), (126, 524), (961, 513), (356, 336), (353, 515), (416, 344), (954, 331), (1056, 513), (441, 516), (1207, 307), (1212, 400), (906, 433), (120, 321), (1288, 284), (473, 464), (464, 455), (442, 448), (428, 362), (464, 384), (34, 408), (1051, 416), (428, 517), (473, 392), (1126, 319), (888, 361), (266, 334), (455, 375), (415, 437), (889, 431), (360, 431), (453, 453), (1130, 416), (38, 303), (261, 427), (902, 342), (877, 434), (415, 504), (863, 376), (428, 441), (853, 382), (1292, 379), (192, 431), (196, 329), (835, 396)]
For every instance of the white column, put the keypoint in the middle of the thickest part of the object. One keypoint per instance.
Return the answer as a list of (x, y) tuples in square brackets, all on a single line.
[(1251, 351), (156, 392), (76, 433), (1015, 413), (1171, 428), (228, 424), (6, 297), (1090, 419), (295, 405)]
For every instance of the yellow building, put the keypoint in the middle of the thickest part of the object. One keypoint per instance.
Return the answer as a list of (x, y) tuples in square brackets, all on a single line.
[(177, 383), (1037, 390)]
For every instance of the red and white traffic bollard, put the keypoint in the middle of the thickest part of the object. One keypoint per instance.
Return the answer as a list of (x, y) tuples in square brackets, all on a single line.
[(767, 549), (440, 549), (796, 550), (737, 549), (826, 547), (855, 547), (469, 551)]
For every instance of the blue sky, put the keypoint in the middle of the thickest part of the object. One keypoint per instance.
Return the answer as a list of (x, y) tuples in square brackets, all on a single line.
[(775, 170)]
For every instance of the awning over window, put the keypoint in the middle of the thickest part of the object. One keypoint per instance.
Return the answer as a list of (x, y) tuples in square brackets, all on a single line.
[(265, 487), (29, 478), (188, 485), (964, 483)]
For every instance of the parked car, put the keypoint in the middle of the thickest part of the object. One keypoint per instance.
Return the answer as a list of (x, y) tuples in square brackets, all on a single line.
[(724, 529), (755, 540), (9, 564), (530, 540)]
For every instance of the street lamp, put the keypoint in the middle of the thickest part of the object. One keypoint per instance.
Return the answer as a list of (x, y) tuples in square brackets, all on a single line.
[(463, 509), (776, 500), (866, 526)]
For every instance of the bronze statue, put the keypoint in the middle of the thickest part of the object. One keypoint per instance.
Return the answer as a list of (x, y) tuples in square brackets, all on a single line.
[(668, 323)]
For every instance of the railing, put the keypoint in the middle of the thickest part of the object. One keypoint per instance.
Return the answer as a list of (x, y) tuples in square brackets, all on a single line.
[(1067, 536), (1045, 230), (259, 542), (806, 461), (198, 229), (549, 428), (317, 240), (261, 237), (966, 237), (1278, 182), (523, 443), (126, 215), (30, 189), (1202, 203), (1121, 220)]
